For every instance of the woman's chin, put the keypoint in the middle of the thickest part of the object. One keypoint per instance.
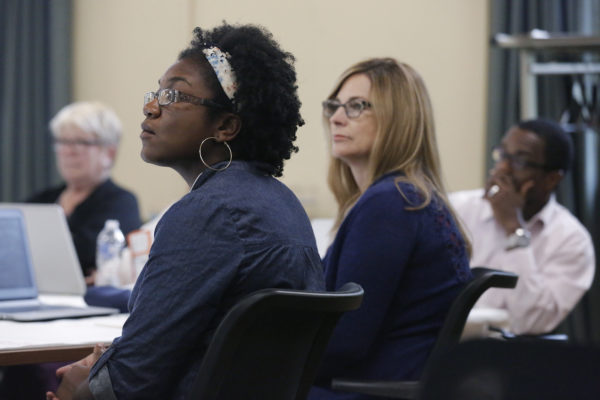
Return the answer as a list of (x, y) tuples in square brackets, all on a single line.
[(150, 158)]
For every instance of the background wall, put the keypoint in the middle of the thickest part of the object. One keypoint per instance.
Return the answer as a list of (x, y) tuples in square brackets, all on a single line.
[(121, 48)]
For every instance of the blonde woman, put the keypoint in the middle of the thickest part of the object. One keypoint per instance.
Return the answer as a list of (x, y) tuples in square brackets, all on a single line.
[(396, 234)]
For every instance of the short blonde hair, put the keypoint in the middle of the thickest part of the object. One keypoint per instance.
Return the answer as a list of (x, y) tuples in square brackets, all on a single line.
[(91, 117)]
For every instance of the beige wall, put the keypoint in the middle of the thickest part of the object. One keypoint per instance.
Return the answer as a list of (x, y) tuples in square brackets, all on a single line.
[(121, 48)]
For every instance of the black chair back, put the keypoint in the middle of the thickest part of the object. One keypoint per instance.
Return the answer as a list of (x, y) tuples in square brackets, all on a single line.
[(494, 369), (483, 279), (449, 336), (270, 344)]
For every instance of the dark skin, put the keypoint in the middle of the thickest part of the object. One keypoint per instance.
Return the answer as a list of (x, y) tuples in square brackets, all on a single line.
[(523, 192), (171, 136), (74, 378)]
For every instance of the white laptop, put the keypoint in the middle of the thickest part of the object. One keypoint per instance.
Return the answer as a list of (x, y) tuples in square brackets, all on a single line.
[(18, 291), (55, 263)]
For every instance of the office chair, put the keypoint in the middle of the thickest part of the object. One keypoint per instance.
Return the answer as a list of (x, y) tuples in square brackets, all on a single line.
[(448, 338), (491, 369), (270, 344)]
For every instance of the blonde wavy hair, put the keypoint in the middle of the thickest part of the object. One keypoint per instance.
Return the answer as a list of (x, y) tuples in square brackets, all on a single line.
[(405, 139)]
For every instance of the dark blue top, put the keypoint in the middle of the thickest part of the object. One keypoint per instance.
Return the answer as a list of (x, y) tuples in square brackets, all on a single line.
[(236, 232), (411, 264), (107, 201)]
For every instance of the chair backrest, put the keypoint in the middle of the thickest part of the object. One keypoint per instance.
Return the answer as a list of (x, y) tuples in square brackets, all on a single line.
[(495, 369), (483, 279), (270, 344)]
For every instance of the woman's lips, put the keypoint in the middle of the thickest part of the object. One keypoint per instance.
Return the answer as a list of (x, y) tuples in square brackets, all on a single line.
[(146, 134), (146, 131)]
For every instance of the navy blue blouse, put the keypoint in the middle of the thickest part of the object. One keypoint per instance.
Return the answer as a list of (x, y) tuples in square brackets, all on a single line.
[(236, 232), (411, 264)]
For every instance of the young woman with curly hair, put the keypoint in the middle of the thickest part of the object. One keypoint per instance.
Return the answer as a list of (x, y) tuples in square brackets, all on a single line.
[(225, 118), (397, 236)]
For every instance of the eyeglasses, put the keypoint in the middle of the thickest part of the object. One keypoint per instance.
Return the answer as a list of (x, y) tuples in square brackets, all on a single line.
[(353, 108), (78, 144), (168, 96), (517, 161)]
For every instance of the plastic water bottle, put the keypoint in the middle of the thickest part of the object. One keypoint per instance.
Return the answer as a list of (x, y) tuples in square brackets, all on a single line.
[(109, 245)]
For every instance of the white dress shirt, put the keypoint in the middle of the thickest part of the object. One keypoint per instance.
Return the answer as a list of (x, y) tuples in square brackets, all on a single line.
[(555, 270)]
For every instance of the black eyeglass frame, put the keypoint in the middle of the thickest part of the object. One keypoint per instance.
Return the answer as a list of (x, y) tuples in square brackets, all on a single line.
[(516, 161), (329, 104), (175, 96)]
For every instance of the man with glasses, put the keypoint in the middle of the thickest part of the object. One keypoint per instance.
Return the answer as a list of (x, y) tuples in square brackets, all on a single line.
[(516, 225)]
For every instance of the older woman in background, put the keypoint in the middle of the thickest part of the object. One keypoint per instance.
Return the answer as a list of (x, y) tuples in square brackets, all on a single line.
[(86, 136), (396, 233)]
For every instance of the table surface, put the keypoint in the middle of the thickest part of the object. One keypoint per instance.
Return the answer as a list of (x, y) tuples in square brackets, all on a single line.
[(73, 339), (59, 340), (37, 355)]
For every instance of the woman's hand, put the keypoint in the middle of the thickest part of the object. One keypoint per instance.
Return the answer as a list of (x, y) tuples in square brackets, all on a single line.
[(90, 280), (74, 377)]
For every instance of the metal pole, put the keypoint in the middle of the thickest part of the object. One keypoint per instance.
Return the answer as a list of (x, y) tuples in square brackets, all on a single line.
[(528, 85)]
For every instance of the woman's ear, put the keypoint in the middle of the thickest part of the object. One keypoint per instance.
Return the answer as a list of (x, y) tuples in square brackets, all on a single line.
[(108, 156), (229, 127)]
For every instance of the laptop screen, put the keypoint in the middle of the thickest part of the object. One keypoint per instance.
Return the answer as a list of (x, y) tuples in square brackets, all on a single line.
[(55, 264), (16, 272)]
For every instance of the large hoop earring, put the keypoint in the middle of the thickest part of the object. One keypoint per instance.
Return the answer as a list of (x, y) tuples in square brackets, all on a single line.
[(204, 162)]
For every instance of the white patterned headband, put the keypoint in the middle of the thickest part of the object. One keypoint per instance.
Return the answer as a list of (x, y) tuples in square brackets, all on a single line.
[(219, 61)]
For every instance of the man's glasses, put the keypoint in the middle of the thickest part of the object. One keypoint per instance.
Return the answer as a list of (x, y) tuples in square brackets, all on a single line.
[(517, 161), (353, 108), (78, 144), (168, 96)]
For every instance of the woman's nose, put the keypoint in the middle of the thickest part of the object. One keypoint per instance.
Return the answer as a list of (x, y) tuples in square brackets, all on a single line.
[(152, 109), (339, 116)]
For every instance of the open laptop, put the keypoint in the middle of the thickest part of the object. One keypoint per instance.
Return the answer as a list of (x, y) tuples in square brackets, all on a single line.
[(55, 263), (18, 291)]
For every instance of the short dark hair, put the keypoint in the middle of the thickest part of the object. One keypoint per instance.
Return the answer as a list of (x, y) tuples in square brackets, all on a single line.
[(266, 98), (558, 149)]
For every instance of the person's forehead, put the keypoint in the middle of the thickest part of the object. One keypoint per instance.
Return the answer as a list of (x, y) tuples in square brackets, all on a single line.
[(185, 71), (356, 86), (73, 131), (518, 140)]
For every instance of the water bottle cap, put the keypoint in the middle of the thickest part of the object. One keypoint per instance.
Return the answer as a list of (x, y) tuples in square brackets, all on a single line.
[(112, 224)]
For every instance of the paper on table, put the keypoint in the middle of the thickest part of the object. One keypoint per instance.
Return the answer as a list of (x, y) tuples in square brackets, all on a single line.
[(480, 319), (67, 300), (60, 332)]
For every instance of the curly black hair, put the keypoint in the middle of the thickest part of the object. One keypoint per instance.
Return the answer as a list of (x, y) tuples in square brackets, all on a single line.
[(266, 99)]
